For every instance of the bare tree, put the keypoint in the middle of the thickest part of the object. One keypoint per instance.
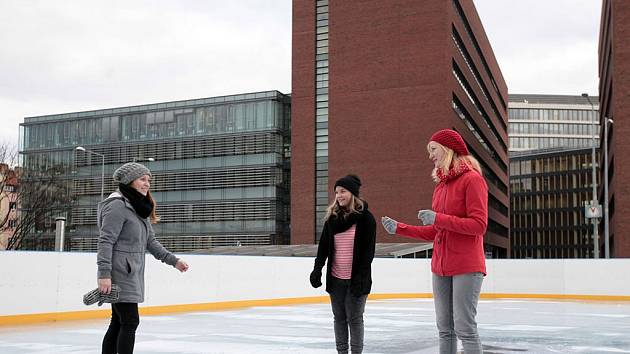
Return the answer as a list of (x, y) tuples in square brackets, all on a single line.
[(8, 188), (36, 195)]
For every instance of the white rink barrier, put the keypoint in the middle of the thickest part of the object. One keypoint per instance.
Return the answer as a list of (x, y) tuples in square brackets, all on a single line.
[(48, 286)]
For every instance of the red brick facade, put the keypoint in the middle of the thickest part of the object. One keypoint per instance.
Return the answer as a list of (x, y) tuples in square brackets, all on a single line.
[(614, 93), (391, 87)]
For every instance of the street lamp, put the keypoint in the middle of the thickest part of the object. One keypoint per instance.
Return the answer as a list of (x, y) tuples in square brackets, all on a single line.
[(594, 202), (606, 221), (81, 148)]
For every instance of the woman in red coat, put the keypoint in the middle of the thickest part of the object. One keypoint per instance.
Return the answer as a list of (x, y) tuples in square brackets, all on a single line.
[(456, 224)]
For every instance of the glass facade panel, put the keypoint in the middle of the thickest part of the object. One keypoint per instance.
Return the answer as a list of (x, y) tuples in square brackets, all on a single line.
[(547, 196), (220, 174), (321, 115)]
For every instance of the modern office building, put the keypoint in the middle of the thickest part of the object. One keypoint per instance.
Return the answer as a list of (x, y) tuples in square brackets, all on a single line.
[(220, 167), (371, 82), (614, 99), (552, 121), (551, 173), (548, 190)]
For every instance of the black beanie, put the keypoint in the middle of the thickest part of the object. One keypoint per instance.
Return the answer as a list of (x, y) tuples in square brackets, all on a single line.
[(349, 182)]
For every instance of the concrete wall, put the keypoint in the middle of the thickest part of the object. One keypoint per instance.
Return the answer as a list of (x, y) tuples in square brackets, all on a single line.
[(48, 282)]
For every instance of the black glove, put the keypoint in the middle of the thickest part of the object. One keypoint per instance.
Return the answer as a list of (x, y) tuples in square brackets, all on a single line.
[(316, 278)]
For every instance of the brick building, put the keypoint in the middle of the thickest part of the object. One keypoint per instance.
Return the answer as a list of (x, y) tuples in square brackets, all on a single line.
[(372, 81), (614, 102)]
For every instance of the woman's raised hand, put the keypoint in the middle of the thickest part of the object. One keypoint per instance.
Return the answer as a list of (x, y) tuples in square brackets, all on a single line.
[(389, 224)]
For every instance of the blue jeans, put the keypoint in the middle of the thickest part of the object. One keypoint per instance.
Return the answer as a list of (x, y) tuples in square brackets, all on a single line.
[(348, 313), (455, 301)]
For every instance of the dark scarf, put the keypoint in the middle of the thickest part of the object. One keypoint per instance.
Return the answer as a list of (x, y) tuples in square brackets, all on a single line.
[(140, 203), (344, 220)]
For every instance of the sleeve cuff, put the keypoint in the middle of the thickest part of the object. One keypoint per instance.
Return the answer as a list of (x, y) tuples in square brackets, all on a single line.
[(172, 260)]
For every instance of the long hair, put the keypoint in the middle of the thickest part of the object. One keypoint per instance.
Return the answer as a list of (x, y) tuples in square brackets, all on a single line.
[(355, 206), (154, 216), (452, 160)]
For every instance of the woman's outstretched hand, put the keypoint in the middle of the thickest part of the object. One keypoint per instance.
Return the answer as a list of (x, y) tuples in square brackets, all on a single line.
[(427, 217), (389, 224)]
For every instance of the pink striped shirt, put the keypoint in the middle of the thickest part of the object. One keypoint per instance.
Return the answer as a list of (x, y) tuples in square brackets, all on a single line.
[(344, 247)]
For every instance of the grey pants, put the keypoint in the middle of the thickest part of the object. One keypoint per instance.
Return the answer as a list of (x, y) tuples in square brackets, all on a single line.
[(455, 301), (348, 313)]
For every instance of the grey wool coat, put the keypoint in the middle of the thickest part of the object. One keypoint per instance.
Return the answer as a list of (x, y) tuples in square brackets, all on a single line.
[(124, 237)]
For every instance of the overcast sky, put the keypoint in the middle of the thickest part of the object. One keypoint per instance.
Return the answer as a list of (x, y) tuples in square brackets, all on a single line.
[(544, 46), (67, 56)]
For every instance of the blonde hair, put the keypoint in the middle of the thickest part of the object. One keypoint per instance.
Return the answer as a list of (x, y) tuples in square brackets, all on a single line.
[(452, 160), (355, 206), (153, 217)]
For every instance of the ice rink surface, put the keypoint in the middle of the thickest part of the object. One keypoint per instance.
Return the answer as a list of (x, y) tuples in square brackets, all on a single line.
[(391, 326)]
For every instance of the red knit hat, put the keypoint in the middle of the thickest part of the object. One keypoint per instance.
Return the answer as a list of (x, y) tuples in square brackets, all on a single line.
[(452, 140)]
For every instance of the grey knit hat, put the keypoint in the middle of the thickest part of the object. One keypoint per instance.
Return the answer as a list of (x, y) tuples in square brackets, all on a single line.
[(130, 171)]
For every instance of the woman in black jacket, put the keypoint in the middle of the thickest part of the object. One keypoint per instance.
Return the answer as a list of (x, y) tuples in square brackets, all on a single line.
[(348, 241)]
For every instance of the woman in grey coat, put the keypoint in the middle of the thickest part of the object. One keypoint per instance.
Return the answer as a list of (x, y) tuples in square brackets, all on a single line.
[(125, 234)]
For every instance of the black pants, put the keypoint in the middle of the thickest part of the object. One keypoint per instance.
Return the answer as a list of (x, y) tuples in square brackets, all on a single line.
[(348, 312), (121, 334)]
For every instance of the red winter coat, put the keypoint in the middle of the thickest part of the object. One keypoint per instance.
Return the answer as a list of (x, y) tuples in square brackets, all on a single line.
[(461, 205)]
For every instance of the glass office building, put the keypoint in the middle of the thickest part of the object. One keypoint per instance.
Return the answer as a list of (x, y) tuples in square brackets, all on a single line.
[(220, 167), (548, 190), (551, 174), (552, 121)]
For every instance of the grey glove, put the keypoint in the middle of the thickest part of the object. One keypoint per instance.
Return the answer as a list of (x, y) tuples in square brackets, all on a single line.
[(427, 217), (389, 224), (95, 296)]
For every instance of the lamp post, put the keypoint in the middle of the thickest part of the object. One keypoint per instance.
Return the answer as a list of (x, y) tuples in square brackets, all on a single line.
[(594, 202), (606, 221), (81, 148)]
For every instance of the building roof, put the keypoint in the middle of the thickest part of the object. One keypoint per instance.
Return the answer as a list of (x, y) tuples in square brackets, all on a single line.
[(383, 250), (273, 94), (552, 99)]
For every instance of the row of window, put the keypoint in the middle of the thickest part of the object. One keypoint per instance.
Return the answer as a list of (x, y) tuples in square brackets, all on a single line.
[(584, 130), (471, 96), (238, 117), (175, 180), (553, 200), (520, 143), (469, 32), (201, 211), (321, 113), (182, 244), (471, 67), (573, 245), (558, 163), (551, 234), (577, 115)]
